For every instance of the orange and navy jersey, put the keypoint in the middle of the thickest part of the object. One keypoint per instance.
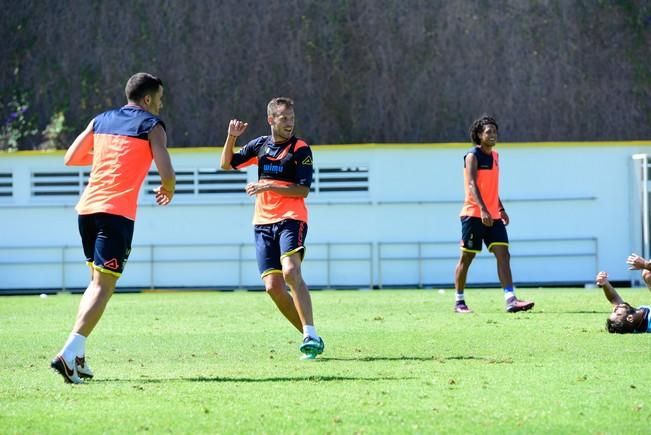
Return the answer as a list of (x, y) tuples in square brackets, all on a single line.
[(488, 173), (282, 164), (121, 159)]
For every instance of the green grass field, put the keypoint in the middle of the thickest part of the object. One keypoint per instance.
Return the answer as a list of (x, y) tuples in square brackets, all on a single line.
[(397, 361)]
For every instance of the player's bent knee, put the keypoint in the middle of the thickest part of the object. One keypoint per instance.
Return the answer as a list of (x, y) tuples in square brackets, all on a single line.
[(501, 253), (104, 283), (274, 284), (275, 291), (291, 269), (292, 276), (466, 257)]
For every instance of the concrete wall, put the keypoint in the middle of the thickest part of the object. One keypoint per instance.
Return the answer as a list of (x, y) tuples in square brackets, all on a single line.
[(380, 215)]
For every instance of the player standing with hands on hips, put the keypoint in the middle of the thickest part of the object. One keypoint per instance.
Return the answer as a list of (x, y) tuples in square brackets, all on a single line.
[(280, 219), (120, 145), (483, 217)]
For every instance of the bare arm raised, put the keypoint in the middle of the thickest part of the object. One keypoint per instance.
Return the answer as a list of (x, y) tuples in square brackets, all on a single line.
[(235, 130), (635, 262), (609, 291)]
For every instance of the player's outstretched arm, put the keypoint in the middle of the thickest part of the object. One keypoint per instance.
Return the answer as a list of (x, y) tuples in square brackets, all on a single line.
[(235, 130), (163, 161), (635, 262), (80, 152), (609, 291)]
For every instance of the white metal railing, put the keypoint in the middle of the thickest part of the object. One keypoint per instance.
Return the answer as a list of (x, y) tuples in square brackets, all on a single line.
[(423, 254), (327, 265), (62, 266)]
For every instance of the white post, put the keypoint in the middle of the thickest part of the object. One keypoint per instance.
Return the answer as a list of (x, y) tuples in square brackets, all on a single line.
[(645, 204), (643, 181)]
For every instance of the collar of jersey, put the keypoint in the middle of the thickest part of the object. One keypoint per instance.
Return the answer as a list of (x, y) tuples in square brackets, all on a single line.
[(280, 144)]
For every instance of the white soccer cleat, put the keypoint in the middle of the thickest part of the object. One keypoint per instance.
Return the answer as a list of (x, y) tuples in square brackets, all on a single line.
[(83, 369), (69, 374)]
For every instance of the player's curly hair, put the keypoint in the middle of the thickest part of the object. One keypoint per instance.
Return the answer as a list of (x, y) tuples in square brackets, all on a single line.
[(477, 128)]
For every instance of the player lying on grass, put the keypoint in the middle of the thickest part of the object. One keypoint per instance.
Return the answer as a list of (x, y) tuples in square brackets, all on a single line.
[(626, 319)]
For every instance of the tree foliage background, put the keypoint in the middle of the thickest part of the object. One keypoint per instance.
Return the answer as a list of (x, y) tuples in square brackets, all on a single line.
[(359, 70)]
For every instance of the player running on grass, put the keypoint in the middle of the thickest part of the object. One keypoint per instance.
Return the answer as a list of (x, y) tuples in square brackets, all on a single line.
[(626, 319), (120, 145), (483, 218), (280, 219)]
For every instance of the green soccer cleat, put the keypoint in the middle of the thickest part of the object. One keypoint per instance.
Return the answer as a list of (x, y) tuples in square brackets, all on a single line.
[(312, 347)]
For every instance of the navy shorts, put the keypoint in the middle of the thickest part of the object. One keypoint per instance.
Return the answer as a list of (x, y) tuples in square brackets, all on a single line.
[(474, 232), (106, 239), (278, 240)]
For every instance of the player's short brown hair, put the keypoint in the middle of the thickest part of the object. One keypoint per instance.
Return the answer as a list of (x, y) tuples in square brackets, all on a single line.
[(272, 107), (141, 84)]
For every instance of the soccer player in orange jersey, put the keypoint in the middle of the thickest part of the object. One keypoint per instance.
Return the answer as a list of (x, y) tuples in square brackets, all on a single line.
[(483, 218), (280, 220), (120, 145)]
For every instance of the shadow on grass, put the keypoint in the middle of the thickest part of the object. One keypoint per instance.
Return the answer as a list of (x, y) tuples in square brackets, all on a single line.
[(383, 358), (422, 358), (245, 379), (318, 378), (577, 312)]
